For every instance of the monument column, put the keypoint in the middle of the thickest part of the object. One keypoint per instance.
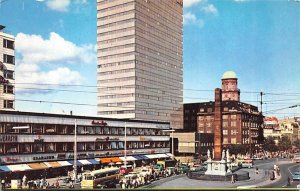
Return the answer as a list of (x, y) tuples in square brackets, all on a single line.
[(218, 125)]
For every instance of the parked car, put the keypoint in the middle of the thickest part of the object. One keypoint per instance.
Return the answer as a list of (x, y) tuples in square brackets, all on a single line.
[(296, 176), (183, 169)]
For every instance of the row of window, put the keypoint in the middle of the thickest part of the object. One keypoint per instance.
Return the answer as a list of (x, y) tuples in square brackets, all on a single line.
[(26, 148), (63, 129), (116, 64), (227, 132), (120, 6), (8, 44)]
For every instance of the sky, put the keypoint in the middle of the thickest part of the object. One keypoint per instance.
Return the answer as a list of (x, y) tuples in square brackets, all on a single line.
[(257, 39)]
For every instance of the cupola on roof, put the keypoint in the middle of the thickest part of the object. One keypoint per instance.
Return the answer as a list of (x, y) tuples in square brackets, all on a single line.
[(229, 75)]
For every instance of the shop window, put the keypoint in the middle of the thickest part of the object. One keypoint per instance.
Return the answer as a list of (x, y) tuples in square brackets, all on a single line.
[(70, 147), (61, 129), (98, 130), (60, 147), (37, 148), (11, 148), (80, 147), (70, 130), (90, 146), (128, 131), (113, 145), (106, 130), (99, 146), (37, 129), (121, 145), (50, 129), (9, 128), (121, 131), (113, 131), (80, 130), (49, 147), (90, 130)]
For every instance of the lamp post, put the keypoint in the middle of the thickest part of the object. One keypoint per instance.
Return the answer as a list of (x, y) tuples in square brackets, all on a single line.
[(172, 138), (75, 153), (125, 145)]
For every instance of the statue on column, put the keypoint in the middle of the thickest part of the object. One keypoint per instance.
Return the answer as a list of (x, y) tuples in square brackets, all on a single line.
[(208, 154), (227, 155), (223, 155)]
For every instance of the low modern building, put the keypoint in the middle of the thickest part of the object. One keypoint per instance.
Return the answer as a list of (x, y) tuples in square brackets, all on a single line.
[(34, 141), (7, 69)]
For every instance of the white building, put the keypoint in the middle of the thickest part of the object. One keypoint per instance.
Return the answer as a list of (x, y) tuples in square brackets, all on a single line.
[(140, 62), (7, 69)]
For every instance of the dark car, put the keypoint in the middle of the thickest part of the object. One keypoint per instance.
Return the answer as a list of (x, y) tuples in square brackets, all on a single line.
[(183, 169)]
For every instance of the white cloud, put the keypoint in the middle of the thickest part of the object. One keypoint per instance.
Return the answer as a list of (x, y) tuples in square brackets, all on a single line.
[(28, 76), (191, 19), (210, 9), (35, 52), (189, 3), (35, 49), (58, 5)]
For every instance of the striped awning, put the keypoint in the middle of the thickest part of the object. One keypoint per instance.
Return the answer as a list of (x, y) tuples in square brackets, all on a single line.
[(64, 163), (85, 162), (152, 156), (77, 163), (53, 164), (19, 167), (128, 158), (93, 161), (111, 159), (38, 166), (4, 168), (162, 155)]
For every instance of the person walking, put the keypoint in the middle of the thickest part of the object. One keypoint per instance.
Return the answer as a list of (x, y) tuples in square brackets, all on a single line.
[(288, 181), (232, 179), (3, 184)]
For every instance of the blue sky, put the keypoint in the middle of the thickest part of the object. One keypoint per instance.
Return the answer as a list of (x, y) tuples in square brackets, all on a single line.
[(259, 40)]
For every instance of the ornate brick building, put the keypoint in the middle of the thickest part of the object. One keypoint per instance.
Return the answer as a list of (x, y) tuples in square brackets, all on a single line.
[(241, 123)]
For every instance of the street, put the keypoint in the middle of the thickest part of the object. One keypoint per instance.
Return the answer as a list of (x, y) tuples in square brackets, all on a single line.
[(260, 180)]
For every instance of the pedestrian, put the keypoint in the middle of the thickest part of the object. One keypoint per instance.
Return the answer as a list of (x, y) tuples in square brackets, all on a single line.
[(232, 179), (57, 184), (3, 184), (288, 181)]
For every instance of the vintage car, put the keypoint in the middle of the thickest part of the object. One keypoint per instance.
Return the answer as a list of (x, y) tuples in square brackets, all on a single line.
[(296, 175)]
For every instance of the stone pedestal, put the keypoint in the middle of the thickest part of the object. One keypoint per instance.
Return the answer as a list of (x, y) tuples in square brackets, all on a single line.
[(216, 167)]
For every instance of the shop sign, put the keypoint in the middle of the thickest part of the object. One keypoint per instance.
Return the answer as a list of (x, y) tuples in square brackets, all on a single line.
[(107, 139), (10, 159), (61, 156), (8, 138), (43, 157), (94, 122)]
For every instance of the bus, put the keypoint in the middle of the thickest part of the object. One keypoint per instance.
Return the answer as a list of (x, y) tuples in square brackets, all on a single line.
[(103, 178)]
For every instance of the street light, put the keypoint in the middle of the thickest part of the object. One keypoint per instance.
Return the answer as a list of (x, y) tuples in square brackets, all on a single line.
[(172, 137), (75, 153), (125, 146)]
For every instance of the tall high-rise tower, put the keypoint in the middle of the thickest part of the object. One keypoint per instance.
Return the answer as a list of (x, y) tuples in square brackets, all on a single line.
[(140, 69), (230, 89), (7, 69)]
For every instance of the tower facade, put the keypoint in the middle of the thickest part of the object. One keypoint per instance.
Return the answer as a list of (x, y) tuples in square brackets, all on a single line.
[(139, 58), (7, 70), (230, 91)]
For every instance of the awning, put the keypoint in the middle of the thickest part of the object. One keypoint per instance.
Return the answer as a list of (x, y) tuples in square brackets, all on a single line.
[(78, 163), (84, 162), (138, 157), (162, 155), (144, 157), (93, 161), (19, 167), (128, 158), (4, 168), (111, 159), (152, 156), (53, 164), (37, 166), (64, 163)]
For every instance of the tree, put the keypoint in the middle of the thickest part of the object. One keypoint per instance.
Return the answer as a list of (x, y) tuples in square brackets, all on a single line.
[(284, 143), (269, 144), (238, 149)]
